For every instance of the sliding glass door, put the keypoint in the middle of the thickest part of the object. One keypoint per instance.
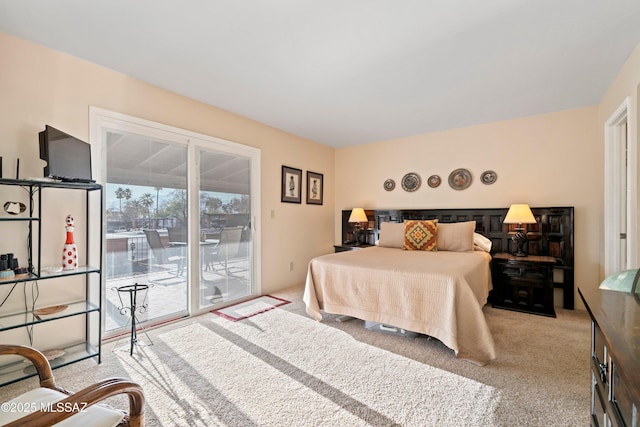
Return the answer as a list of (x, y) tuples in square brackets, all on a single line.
[(225, 227), (181, 216), (146, 201)]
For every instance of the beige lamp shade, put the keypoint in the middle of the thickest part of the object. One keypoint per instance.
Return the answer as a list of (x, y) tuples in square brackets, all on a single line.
[(519, 214), (358, 215)]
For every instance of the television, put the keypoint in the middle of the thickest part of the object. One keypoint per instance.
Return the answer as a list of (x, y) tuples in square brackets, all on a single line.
[(68, 158)]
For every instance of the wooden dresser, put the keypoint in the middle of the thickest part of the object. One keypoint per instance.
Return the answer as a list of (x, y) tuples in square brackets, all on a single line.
[(615, 357)]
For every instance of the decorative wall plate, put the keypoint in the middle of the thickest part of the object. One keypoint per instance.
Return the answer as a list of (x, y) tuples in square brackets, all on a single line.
[(434, 181), (488, 177), (460, 179), (389, 185), (411, 182)]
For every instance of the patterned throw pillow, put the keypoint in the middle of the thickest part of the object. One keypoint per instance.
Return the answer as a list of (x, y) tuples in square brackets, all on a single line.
[(420, 235)]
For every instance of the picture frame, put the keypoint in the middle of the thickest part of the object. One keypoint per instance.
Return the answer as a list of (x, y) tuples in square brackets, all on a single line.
[(315, 188), (291, 191)]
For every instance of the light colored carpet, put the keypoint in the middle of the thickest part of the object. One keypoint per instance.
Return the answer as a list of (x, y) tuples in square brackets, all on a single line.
[(281, 368)]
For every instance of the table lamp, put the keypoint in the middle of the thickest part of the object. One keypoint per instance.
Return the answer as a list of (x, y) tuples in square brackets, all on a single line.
[(356, 218), (519, 214)]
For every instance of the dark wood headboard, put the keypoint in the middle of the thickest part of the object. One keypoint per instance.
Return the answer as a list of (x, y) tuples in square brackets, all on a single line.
[(552, 235)]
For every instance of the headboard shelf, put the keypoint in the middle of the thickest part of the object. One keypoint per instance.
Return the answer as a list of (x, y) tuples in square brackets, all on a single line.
[(552, 235)]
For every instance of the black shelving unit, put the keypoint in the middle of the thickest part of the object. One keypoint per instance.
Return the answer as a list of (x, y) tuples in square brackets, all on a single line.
[(90, 307)]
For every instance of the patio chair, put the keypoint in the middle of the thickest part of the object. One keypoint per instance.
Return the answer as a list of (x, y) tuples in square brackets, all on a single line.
[(31, 406), (166, 254), (227, 249), (177, 235)]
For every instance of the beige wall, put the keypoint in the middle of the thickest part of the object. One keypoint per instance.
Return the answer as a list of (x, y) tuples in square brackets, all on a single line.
[(545, 160), (41, 86)]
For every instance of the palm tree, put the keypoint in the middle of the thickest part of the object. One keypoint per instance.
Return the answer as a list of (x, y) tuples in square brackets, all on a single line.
[(146, 201), (123, 193), (158, 190), (120, 196)]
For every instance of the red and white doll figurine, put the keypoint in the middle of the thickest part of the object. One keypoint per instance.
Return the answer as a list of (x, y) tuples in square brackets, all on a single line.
[(70, 251)]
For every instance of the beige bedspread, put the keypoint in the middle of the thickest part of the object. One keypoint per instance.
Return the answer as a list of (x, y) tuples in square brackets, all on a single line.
[(440, 294)]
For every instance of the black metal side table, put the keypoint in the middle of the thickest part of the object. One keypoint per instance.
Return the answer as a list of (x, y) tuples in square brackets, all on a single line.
[(134, 307)]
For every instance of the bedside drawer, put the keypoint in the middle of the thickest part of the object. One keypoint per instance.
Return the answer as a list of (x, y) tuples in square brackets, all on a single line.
[(523, 284), (526, 271)]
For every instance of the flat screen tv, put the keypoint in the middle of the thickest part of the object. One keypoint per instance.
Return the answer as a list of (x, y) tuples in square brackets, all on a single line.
[(67, 157)]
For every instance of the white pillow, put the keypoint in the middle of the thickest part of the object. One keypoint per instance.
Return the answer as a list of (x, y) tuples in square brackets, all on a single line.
[(391, 235), (456, 237), (481, 243)]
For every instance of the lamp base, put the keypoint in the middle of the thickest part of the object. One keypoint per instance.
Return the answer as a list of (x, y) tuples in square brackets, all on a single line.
[(520, 238), (356, 235), (356, 239)]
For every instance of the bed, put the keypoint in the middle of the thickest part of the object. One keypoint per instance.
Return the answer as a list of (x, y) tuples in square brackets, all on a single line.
[(439, 293)]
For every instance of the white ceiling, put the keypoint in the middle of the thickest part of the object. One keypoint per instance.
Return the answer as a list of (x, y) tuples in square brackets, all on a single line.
[(345, 72)]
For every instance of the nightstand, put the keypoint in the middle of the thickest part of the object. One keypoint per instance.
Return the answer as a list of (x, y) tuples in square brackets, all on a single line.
[(523, 283), (347, 247)]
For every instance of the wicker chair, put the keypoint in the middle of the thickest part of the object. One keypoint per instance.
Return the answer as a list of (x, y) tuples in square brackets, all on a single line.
[(72, 409)]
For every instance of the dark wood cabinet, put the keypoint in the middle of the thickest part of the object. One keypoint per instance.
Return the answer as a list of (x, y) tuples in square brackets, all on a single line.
[(615, 357), (523, 283)]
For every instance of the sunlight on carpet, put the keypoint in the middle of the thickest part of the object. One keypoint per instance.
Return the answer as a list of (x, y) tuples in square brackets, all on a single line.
[(298, 369)]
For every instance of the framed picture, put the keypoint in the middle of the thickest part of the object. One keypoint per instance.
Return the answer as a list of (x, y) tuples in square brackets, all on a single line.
[(314, 188), (291, 185)]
